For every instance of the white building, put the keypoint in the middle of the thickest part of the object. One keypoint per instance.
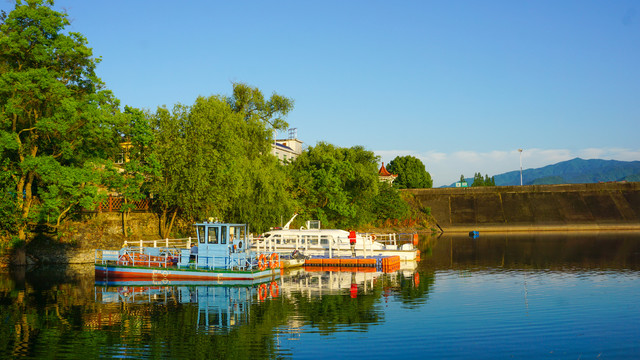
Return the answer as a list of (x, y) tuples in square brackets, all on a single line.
[(287, 149)]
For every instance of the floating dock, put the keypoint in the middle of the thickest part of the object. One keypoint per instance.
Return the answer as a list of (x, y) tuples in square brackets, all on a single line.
[(351, 264)]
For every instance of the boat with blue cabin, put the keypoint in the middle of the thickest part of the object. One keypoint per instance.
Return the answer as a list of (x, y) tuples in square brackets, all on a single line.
[(221, 252)]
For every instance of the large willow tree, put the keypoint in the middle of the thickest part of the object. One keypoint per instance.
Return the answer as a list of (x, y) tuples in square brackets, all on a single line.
[(54, 116), (215, 160)]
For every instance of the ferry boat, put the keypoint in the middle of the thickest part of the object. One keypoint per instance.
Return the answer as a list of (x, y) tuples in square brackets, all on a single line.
[(314, 241), (221, 252)]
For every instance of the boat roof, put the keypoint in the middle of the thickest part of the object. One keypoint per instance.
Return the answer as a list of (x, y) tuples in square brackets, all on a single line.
[(333, 232), (214, 223)]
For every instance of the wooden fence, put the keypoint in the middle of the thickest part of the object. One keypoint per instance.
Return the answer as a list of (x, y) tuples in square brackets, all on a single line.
[(115, 203)]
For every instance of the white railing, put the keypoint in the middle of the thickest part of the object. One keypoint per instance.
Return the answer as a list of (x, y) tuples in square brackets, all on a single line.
[(184, 243), (286, 242), (391, 238)]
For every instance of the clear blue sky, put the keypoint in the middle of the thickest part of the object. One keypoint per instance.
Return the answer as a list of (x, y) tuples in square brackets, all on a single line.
[(459, 84)]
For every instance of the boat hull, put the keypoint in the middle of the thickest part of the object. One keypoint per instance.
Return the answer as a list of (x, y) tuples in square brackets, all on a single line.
[(405, 255), (125, 272)]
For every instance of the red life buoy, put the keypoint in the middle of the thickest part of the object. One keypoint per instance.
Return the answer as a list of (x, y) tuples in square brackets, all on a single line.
[(274, 260), (262, 292), (273, 289), (262, 262)]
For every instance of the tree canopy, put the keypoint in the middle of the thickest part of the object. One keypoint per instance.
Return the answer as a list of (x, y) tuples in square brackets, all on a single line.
[(478, 180), (62, 133), (340, 187), (215, 160), (411, 172), (55, 115)]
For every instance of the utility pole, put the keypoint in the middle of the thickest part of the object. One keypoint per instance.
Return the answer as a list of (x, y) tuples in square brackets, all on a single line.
[(520, 151)]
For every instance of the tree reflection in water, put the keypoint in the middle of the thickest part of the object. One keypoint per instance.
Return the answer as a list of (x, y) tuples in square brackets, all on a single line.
[(63, 311)]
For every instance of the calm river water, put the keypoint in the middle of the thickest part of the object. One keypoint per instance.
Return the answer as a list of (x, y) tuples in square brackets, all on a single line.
[(533, 296)]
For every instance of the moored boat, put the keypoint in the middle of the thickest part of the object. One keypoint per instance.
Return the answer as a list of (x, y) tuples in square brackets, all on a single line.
[(221, 252), (312, 240)]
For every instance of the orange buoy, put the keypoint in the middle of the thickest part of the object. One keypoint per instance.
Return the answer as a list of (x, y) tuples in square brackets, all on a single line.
[(262, 262), (262, 292), (274, 289), (274, 260)]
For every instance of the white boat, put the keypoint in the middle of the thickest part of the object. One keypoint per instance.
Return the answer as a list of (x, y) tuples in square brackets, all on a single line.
[(314, 241)]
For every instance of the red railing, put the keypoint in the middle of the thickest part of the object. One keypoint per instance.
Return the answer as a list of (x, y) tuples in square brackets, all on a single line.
[(115, 203)]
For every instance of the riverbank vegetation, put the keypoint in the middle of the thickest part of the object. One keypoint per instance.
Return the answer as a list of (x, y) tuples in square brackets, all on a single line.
[(65, 145)]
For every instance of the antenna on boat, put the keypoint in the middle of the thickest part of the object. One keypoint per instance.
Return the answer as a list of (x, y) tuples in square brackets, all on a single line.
[(286, 226)]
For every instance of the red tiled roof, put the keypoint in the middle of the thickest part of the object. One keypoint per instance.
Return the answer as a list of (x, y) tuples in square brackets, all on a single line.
[(384, 172)]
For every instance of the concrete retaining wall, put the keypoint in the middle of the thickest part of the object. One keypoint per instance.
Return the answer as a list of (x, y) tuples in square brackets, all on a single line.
[(602, 206)]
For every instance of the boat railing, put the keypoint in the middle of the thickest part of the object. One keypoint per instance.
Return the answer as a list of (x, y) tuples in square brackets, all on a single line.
[(184, 243), (168, 257), (106, 256), (293, 242), (391, 238), (213, 262), (151, 257), (383, 238)]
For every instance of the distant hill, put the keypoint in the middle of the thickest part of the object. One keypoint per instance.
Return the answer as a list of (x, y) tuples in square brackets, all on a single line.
[(575, 171)]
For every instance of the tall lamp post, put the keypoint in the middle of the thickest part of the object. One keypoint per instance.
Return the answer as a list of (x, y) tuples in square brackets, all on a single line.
[(520, 151)]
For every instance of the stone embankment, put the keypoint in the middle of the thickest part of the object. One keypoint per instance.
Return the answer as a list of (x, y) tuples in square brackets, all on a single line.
[(601, 206)]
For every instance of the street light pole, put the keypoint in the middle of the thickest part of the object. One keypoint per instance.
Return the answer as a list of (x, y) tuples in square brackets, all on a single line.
[(520, 151)]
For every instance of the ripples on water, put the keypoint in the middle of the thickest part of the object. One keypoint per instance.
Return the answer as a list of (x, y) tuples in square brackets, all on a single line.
[(524, 298)]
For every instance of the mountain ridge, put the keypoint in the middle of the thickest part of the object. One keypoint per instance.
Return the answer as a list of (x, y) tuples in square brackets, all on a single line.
[(574, 171)]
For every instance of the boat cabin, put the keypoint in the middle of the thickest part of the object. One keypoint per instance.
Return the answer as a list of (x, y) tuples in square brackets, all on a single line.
[(221, 245)]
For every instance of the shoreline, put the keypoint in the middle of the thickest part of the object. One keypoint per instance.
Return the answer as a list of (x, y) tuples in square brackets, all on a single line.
[(52, 256), (542, 228)]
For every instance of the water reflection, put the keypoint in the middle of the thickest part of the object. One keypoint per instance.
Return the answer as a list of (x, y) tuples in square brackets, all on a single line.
[(551, 251), (219, 308), (466, 291)]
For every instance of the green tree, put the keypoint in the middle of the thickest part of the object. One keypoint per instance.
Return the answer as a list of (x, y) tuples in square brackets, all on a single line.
[(138, 163), (264, 195), (216, 161), (478, 180), (55, 116), (171, 152), (489, 181), (411, 172), (336, 185), (389, 204)]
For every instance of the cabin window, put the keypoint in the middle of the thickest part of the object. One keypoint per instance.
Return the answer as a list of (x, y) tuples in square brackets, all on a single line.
[(223, 235), (236, 233), (276, 239), (201, 234), (213, 235), (324, 240)]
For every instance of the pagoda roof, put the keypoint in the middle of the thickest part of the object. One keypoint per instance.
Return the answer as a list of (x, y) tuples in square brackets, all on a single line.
[(384, 172)]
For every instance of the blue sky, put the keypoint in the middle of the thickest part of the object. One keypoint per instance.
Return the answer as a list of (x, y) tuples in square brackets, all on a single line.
[(459, 84)]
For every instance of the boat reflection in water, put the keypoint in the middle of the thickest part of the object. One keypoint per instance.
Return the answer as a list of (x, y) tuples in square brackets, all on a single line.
[(219, 307), (223, 306), (313, 281)]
